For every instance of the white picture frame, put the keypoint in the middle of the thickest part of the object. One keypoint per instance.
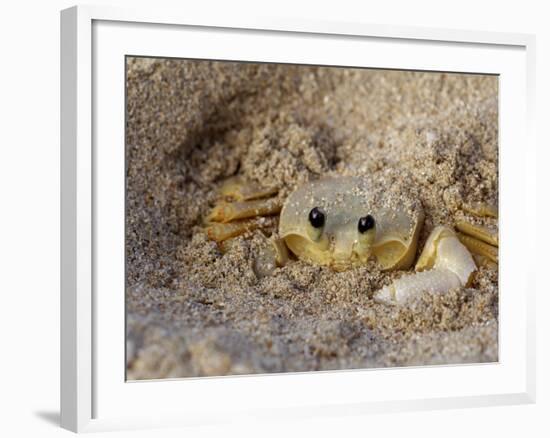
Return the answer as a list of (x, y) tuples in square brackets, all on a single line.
[(93, 395)]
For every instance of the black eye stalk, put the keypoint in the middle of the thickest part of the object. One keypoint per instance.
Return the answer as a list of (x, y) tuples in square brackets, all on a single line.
[(316, 218), (365, 224)]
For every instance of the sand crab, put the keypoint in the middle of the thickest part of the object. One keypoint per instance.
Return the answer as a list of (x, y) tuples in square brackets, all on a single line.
[(342, 222)]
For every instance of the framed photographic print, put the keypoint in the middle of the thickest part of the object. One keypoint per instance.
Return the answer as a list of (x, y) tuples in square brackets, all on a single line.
[(256, 209)]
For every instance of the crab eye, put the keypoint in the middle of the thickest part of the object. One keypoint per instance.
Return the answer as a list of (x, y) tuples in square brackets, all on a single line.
[(365, 224), (316, 218)]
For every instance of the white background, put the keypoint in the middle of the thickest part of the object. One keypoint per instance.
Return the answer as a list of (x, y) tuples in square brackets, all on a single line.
[(29, 217)]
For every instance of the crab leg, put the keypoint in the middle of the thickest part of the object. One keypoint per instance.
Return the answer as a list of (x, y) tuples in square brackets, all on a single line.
[(479, 232), (481, 241), (481, 209), (482, 261), (235, 188), (478, 247), (444, 264), (229, 211), (220, 232)]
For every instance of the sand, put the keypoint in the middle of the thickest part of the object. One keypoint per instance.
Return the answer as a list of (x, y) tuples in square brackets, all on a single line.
[(194, 310)]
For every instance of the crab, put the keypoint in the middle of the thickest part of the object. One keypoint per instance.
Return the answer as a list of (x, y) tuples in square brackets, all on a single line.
[(346, 221)]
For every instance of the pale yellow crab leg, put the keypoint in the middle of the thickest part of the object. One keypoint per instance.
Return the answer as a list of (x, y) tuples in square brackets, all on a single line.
[(481, 241), (479, 232), (483, 261), (220, 231), (237, 189), (481, 209), (478, 247), (444, 264), (229, 211)]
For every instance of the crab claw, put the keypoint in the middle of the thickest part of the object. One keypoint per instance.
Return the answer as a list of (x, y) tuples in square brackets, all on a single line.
[(444, 264)]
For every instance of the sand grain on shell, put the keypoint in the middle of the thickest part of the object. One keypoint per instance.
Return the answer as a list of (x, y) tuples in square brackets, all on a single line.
[(193, 311)]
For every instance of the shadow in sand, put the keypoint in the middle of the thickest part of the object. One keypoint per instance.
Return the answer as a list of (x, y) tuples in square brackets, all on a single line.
[(52, 417)]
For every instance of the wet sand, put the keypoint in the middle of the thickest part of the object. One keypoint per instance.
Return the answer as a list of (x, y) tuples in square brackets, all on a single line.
[(193, 310)]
